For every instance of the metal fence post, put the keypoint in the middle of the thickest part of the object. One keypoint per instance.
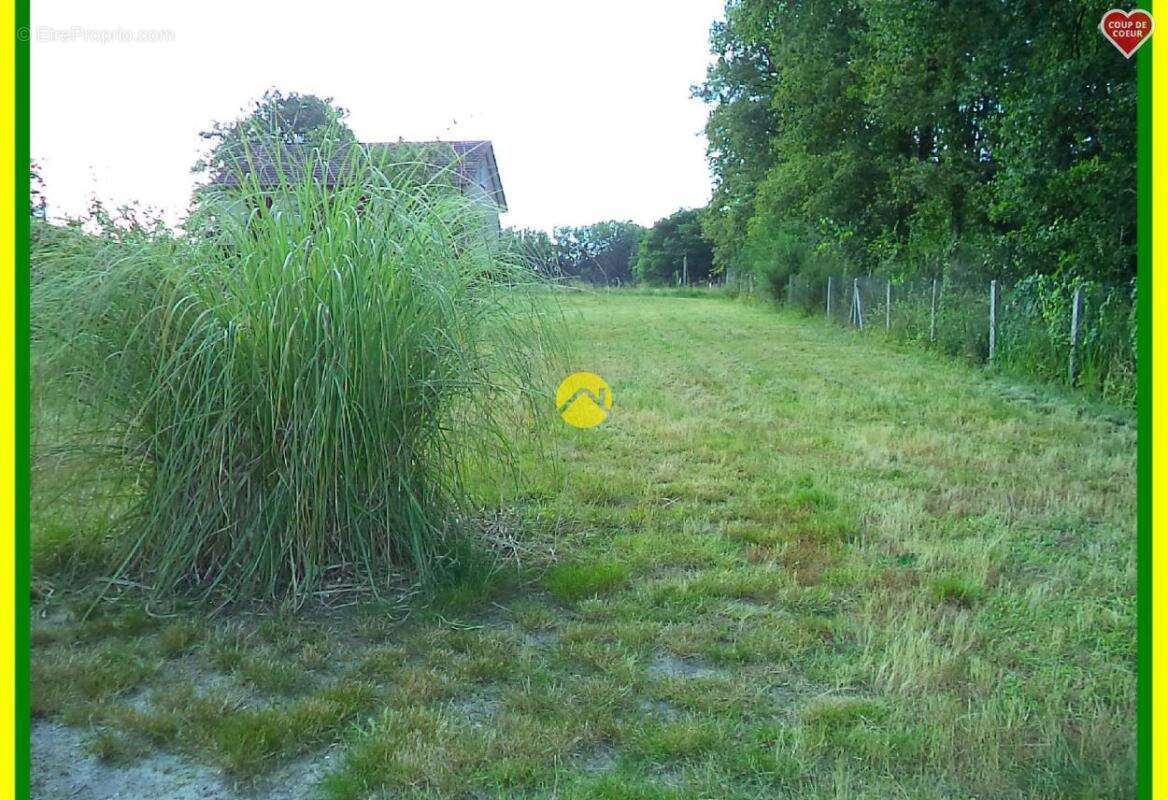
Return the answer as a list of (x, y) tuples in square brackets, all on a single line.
[(933, 315), (829, 297), (1076, 312), (857, 309), (790, 288), (993, 318), (888, 305)]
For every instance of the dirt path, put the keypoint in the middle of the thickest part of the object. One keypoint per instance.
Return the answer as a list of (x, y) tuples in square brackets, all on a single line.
[(63, 770)]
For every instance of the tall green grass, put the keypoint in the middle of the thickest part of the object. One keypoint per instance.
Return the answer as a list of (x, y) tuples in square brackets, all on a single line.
[(297, 390)]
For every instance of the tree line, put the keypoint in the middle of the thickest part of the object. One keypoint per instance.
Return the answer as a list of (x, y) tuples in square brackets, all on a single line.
[(615, 253), (908, 139)]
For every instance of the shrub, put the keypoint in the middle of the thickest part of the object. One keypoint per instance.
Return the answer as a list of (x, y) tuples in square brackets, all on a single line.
[(298, 389), (1036, 338)]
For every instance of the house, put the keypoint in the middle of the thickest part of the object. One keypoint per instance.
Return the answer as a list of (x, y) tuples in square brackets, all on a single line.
[(471, 165)]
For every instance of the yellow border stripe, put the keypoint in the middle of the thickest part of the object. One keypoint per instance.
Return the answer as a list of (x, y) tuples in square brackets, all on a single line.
[(1159, 45), (8, 401)]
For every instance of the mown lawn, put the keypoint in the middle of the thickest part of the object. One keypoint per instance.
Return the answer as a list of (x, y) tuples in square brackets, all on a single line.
[(794, 562)]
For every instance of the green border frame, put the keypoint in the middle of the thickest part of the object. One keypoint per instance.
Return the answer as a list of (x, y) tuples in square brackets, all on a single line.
[(1144, 417), (23, 727), (22, 604)]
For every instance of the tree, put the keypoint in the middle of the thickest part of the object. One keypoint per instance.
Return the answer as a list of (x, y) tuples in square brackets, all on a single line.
[(739, 86), (598, 253), (532, 247), (674, 249), (993, 137), (38, 203), (275, 119)]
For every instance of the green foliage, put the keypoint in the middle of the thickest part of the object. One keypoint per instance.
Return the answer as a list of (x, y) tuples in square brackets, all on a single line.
[(275, 118), (299, 394), (38, 203), (1033, 323), (1035, 334), (778, 252), (673, 249), (533, 248), (600, 253), (914, 132)]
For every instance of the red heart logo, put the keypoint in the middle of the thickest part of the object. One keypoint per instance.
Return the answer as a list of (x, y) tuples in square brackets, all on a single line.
[(1127, 31)]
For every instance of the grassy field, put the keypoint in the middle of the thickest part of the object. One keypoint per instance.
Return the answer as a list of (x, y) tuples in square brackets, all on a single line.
[(793, 562)]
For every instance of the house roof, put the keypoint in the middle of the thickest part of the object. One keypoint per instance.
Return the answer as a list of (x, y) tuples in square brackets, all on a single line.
[(469, 157), (472, 163)]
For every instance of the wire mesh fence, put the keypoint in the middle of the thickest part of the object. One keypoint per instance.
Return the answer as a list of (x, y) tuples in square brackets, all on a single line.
[(1082, 334)]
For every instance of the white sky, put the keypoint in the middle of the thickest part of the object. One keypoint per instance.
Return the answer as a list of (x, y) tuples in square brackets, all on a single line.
[(587, 103)]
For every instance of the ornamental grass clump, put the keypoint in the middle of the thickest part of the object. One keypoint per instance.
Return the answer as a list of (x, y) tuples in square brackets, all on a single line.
[(297, 390)]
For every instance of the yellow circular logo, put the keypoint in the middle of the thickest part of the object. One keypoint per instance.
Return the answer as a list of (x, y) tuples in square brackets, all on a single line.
[(584, 400)]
